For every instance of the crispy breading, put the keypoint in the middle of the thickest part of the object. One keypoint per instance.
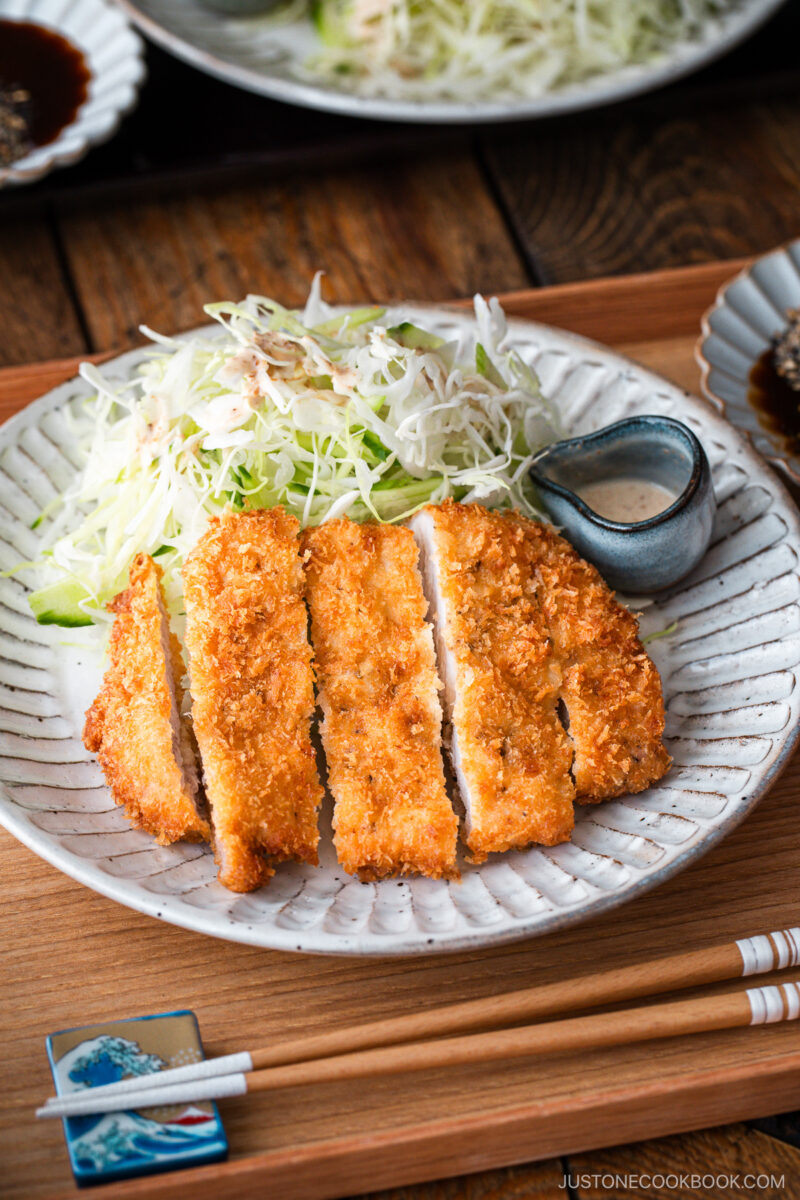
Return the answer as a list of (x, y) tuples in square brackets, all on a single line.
[(379, 694), (252, 686), (135, 727), (610, 687), (510, 753)]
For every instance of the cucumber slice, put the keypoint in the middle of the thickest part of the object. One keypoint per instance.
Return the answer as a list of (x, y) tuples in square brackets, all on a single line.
[(374, 443), (414, 338), (57, 604), (356, 317), (485, 367), (329, 20)]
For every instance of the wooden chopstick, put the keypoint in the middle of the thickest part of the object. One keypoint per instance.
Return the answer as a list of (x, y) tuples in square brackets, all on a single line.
[(694, 968), (748, 956), (676, 1018)]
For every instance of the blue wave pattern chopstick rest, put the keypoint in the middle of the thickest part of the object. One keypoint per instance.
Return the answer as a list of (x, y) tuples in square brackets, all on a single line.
[(127, 1143)]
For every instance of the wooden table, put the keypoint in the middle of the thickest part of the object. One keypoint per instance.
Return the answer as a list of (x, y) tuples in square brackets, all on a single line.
[(708, 170)]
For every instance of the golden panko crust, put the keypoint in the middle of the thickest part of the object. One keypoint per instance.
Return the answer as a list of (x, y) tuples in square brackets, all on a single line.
[(514, 754), (610, 687), (130, 725), (253, 693), (379, 694)]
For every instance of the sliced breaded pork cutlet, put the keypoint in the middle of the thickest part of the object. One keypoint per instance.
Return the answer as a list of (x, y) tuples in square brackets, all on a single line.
[(252, 685), (610, 687), (509, 751), (523, 622), (135, 726), (380, 698)]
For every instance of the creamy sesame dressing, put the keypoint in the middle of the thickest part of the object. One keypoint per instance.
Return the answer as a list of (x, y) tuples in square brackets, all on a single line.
[(626, 500)]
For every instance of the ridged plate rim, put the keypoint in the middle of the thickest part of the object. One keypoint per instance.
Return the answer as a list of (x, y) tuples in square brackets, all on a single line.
[(580, 353), (770, 446)]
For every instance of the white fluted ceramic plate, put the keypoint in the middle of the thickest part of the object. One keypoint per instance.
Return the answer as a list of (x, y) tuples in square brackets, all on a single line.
[(730, 681), (736, 331), (114, 54), (270, 60)]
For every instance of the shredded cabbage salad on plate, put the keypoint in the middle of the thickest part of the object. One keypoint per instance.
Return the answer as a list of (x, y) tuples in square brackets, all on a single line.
[(499, 49), (329, 413)]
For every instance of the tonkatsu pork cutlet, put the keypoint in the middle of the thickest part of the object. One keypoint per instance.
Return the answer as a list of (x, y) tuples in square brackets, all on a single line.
[(610, 688), (509, 750), (134, 726), (253, 693), (379, 694)]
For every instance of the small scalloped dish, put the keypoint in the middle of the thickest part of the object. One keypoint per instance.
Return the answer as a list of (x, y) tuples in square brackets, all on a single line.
[(736, 332), (114, 56)]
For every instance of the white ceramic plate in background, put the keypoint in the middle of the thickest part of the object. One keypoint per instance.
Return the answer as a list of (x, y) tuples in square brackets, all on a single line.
[(730, 682), (114, 54), (269, 59), (736, 331)]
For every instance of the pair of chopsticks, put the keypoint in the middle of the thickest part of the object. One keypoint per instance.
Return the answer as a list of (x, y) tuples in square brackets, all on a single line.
[(398, 1045)]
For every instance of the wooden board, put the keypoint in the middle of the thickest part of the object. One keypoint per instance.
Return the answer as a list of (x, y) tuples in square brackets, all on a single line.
[(71, 957), (681, 175), (384, 233)]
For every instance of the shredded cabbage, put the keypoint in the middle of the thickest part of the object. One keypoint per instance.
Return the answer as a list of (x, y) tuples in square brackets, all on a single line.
[(362, 414), (498, 49)]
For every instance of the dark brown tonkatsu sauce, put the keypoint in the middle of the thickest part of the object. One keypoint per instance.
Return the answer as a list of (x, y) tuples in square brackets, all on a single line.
[(777, 404), (48, 67)]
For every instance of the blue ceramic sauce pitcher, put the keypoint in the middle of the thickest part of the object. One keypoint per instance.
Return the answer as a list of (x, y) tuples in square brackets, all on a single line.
[(636, 556)]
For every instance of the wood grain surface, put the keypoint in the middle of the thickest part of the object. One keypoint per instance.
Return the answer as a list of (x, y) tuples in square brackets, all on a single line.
[(404, 231), (637, 191), (71, 957), (38, 318), (112, 962), (738, 1154), (661, 333), (689, 175)]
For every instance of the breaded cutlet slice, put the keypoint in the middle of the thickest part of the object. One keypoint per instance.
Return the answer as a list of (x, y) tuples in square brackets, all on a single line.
[(509, 751), (610, 687), (250, 667), (135, 726), (380, 698)]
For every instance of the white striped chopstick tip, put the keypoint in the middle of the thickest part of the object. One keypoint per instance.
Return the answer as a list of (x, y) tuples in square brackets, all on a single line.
[(92, 1103), (734, 1009), (207, 1068), (769, 1005), (770, 951), (748, 956)]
